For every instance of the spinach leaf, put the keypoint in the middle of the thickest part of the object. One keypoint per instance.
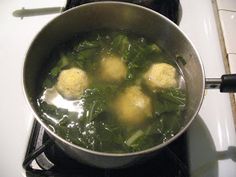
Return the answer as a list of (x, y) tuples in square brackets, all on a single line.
[(58, 116), (86, 52), (134, 137), (168, 106), (161, 106), (171, 100), (173, 95), (62, 63), (121, 44), (138, 54), (111, 135), (96, 100), (171, 123), (52, 110), (85, 45), (144, 141)]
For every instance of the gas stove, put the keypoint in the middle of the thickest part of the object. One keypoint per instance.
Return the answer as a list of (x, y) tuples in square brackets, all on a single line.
[(208, 148)]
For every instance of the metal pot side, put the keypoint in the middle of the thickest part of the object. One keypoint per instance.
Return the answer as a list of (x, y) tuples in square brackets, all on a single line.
[(117, 16)]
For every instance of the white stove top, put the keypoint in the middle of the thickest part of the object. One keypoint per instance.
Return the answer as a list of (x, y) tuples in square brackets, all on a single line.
[(212, 139)]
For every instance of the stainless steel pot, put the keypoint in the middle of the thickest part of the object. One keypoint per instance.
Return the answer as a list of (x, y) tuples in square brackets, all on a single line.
[(122, 16)]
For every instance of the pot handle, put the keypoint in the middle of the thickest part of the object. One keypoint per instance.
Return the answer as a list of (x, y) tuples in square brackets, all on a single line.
[(227, 83)]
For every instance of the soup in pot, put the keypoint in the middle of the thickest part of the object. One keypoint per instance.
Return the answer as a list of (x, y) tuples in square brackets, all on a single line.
[(113, 92)]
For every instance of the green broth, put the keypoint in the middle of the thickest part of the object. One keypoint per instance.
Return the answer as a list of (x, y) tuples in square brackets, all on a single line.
[(89, 121)]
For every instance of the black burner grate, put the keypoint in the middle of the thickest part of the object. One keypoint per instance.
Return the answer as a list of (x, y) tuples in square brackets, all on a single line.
[(168, 8)]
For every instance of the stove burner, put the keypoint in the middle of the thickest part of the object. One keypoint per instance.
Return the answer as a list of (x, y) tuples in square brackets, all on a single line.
[(168, 8)]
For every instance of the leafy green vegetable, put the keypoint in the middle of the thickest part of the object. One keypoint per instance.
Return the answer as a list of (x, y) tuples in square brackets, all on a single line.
[(171, 123), (138, 54), (134, 137), (62, 63), (171, 100), (52, 110), (85, 45), (173, 95), (121, 44), (85, 53), (97, 100), (162, 106)]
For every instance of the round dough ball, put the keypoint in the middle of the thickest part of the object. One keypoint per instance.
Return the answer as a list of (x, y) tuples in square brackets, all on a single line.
[(132, 107), (161, 76), (72, 82), (112, 68)]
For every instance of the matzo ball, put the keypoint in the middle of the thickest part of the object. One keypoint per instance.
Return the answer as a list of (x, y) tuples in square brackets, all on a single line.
[(72, 82), (112, 68), (132, 106), (160, 76)]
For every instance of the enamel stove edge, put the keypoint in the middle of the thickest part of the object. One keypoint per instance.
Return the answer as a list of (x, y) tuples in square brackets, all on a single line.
[(211, 137)]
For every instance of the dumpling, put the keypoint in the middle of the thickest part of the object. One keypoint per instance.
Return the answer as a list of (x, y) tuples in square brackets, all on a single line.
[(160, 76), (112, 69), (72, 82), (132, 107)]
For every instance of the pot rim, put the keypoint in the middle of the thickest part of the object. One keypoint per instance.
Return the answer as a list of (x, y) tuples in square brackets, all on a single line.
[(146, 151)]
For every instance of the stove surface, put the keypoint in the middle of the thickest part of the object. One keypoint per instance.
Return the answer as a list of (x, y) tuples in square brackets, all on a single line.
[(211, 138)]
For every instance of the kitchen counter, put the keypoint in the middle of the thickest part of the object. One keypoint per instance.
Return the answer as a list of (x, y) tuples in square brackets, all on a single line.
[(226, 13), (16, 119)]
